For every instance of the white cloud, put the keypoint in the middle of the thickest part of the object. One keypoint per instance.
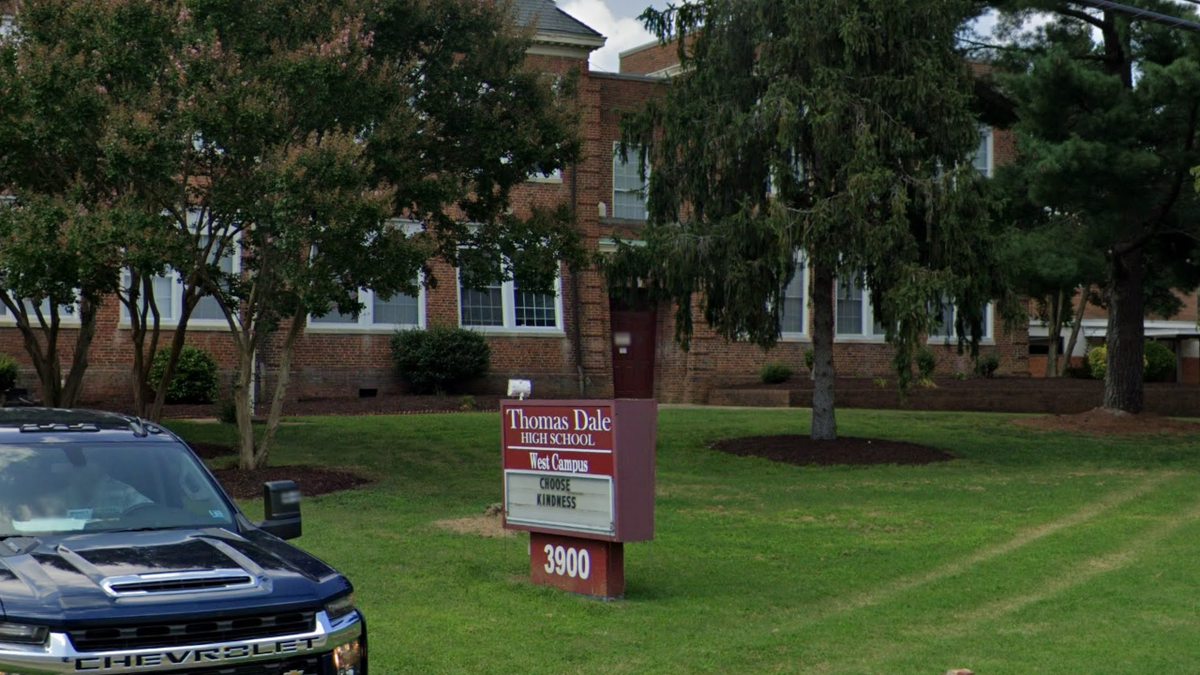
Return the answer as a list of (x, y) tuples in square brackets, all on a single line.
[(624, 33)]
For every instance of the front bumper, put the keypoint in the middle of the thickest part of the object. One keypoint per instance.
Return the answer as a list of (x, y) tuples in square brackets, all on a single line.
[(58, 656)]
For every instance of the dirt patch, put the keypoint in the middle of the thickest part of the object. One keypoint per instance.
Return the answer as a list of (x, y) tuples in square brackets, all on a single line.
[(1100, 422), (488, 527), (803, 451), (213, 450), (312, 480)]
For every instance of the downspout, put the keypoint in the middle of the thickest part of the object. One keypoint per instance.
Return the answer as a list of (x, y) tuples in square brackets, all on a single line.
[(577, 329)]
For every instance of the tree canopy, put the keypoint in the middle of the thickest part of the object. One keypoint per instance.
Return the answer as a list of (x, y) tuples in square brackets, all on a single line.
[(839, 129), (1108, 117)]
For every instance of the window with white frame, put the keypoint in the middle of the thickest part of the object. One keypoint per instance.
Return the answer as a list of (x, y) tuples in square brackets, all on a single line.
[(793, 318), (554, 176), (168, 288), (854, 315), (629, 188), (947, 315), (982, 158), (8, 25), (399, 311), (66, 313), (506, 306)]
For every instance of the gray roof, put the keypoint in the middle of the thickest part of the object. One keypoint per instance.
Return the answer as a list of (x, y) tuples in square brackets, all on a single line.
[(550, 18)]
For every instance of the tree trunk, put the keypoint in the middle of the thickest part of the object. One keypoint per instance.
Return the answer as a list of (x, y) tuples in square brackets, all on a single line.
[(1076, 327), (824, 422), (281, 388), (79, 362), (242, 399), (1123, 385), (1054, 332)]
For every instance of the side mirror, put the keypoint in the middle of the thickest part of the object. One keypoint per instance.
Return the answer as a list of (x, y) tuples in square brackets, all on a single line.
[(281, 504)]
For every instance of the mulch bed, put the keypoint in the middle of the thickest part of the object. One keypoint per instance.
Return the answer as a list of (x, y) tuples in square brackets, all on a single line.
[(1100, 422), (312, 480), (803, 451), (345, 407), (213, 450)]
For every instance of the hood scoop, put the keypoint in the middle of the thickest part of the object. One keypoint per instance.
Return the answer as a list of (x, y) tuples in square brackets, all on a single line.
[(179, 583)]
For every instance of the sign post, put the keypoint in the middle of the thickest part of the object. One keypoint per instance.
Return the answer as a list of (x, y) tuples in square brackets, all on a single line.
[(579, 477)]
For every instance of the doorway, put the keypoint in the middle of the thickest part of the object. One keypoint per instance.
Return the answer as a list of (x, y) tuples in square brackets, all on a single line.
[(634, 333)]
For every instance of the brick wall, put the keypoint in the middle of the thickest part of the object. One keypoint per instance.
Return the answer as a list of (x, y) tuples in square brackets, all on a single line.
[(650, 58)]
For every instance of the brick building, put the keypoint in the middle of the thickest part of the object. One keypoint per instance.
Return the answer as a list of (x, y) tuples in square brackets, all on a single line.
[(574, 343)]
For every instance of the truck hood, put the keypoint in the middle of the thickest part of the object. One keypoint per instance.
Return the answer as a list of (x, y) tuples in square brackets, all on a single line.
[(97, 578)]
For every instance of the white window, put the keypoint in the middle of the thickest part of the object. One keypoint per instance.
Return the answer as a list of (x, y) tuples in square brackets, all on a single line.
[(7, 25), (169, 287), (554, 176), (398, 311), (854, 315), (946, 314), (66, 313), (794, 317), (506, 306), (629, 189), (982, 158)]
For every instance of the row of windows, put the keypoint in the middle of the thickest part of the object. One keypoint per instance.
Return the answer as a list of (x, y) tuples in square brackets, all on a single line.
[(854, 314)]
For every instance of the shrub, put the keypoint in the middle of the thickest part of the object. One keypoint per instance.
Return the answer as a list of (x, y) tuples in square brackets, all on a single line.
[(881, 382), (810, 357), (926, 363), (467, 403), (436, 360), (195, 378), (987, 365), (960, 376), (1098, 362), (1160, 362), (8, 372), (775, 373), (227, 411)]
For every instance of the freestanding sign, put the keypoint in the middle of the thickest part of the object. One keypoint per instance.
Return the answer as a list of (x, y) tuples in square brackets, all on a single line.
[(579, 476)]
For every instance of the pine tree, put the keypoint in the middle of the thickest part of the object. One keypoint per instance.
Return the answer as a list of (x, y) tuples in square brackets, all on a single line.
[(1108, 110), (839, 129)]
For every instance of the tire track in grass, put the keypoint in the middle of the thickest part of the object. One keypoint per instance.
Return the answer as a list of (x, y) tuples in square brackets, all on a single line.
[(965, 622), (1023, 538)]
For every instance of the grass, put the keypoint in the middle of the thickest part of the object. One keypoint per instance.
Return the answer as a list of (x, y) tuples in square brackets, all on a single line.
[(1033, 553)]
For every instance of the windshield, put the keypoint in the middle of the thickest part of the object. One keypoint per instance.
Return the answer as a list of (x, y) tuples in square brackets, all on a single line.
[(52, 488)]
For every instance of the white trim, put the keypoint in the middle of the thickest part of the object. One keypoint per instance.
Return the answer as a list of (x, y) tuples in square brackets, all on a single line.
[(800, 259), (365, 322), (989, 329), (581, 53), (573, 39), (508, 304), (991, 149), (867, 331), (630, 159), (68, 319), (553, 178)]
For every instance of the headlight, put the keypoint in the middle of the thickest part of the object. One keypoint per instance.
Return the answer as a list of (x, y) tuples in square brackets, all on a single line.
[(336, 609), (347, 659), (23, 633)]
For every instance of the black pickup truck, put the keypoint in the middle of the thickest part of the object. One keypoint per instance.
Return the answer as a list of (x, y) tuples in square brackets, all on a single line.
[(120, 553)]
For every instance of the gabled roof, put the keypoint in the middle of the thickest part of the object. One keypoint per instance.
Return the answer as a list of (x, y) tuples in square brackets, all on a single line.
[(551, 19)]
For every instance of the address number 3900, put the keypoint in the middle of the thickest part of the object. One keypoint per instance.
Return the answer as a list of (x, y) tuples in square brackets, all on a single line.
[(568, 561)]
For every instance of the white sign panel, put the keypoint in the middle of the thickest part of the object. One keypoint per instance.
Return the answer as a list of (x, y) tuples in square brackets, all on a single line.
[(562, 501)]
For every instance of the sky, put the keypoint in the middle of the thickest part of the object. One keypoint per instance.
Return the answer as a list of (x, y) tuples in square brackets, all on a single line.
[(616, 20)]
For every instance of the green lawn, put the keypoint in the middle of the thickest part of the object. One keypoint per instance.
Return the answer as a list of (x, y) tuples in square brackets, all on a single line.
[(1034, 553)]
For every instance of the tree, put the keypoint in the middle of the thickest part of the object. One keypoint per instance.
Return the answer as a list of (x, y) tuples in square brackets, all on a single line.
[(92, 145), (348, 143), (836, 128), (1108, 110)]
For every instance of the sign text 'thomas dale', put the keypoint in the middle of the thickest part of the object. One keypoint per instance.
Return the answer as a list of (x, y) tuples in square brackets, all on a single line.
[(574, 440)]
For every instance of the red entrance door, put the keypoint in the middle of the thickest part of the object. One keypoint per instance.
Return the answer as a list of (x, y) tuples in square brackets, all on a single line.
[(633, 335)]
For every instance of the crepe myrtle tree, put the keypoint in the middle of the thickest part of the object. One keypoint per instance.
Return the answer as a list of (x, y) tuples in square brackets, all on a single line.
[(837, 128), (349, 143), (97, 146), (1108, 121)]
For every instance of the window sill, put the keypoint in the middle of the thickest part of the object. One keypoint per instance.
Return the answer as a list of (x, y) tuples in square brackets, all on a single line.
[(953, 342), (627, 222), (518, 332), (326, 329), (546, 181), (795, 337), (33, 323), (859, 339), (199, 325)]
